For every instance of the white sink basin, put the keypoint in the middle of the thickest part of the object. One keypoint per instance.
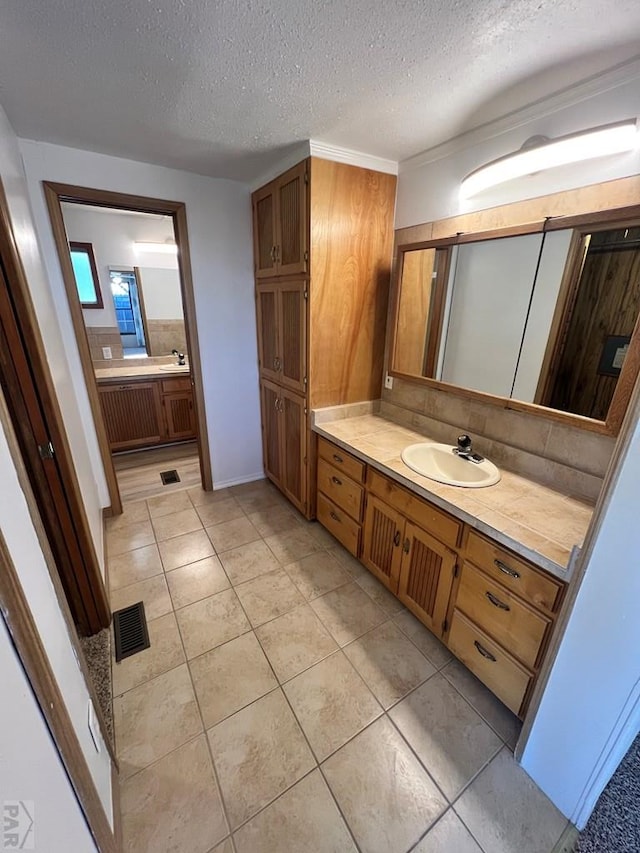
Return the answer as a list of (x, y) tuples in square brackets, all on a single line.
[(439, 462), (182, 368)]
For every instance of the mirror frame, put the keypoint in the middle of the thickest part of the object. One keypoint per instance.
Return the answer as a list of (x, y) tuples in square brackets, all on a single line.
[(566, 210)]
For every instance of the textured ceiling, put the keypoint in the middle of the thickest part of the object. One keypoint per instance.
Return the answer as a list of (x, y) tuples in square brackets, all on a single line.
[(224, 88)]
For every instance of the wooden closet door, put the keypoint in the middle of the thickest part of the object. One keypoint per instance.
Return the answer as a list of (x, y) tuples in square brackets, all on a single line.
[(426, 577), (292, 226), (294, 448), (269, 346), (293, 340), (271, 431), (264, 230), (381, 554)]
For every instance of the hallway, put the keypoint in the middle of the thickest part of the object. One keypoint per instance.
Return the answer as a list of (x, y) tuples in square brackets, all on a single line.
[(288, 699)]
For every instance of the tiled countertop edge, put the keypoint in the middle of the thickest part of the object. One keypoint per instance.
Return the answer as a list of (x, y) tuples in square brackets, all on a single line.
[(562, 572)]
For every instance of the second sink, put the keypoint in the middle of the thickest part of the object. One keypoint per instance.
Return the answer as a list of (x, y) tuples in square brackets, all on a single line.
[(439, 462)]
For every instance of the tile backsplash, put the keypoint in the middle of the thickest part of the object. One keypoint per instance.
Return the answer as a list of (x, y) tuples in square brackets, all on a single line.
[(569, 459)]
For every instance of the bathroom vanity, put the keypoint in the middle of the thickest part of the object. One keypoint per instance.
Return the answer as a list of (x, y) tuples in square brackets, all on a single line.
[(485, 583)]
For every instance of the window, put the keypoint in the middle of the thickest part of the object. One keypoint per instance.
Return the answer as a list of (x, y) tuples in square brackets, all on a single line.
[(86, 275)]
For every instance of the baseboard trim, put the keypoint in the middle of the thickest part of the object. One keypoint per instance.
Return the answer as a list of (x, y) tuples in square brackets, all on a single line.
[(567, 841), (238, 481)]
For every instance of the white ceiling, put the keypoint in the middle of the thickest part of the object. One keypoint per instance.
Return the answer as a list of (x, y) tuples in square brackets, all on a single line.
[(226, 87)]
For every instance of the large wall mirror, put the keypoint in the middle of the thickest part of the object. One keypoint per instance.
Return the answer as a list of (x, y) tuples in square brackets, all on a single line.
[(549, 318)]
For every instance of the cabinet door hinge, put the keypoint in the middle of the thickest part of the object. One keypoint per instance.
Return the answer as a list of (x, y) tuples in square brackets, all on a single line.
[(46, 451), (306, 255), (445, 625), (306, 294), (304, 380), (306, 177), (456, 570)]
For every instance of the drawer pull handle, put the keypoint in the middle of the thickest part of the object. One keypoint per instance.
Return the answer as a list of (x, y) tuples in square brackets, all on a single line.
[(336, 481), (484, 652), (496, 601), (334, 516), (506, 570), (338, 458), (396, 538), (277, 364), (406, 546)]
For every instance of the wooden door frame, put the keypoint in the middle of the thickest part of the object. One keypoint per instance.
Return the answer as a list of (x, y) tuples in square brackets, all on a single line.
[(55, 194)]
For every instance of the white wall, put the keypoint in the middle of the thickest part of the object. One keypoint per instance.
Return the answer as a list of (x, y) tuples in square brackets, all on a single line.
[(219, 222), (30, 767), (162, 297)]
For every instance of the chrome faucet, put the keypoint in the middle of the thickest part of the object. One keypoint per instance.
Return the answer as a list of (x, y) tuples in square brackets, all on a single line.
[(465, 451), (179, 355)]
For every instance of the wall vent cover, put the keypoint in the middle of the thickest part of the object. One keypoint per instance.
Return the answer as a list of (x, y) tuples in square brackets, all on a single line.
[(169, 477), (130, 630)]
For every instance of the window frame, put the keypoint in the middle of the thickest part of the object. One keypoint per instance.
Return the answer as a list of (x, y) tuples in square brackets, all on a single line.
[(87, 248)]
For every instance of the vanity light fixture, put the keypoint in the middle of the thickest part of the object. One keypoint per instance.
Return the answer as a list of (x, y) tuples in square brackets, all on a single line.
[(539, 153), (169, 248)]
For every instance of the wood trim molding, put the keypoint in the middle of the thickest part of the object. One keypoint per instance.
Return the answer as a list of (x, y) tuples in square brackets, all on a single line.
[(87, 248), (32, 653)]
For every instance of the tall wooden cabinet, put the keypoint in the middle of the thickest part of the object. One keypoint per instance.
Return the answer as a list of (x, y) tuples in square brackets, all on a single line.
[(323, 239)]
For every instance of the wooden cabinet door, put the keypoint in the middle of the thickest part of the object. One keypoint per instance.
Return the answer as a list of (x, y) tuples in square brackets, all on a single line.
[(271, 431), (294, 448), (264, 230), (180, 415), (381, 554), (132, 414), (292, 322), (269, 347), (291, 222), (426, 577)]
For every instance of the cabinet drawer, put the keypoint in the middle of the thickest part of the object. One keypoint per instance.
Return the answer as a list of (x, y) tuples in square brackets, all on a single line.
[(425, 514), (341, 489), (516, 574), (502, 674), (341, 460), (514, 624), (339, 524), (180, 383)]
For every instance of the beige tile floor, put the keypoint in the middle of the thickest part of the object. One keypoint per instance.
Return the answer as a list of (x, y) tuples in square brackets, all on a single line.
[(289, 704)]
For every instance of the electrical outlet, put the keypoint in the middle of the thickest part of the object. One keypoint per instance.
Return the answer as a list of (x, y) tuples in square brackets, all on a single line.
[(94, 728), (106, 352), (388, 382)]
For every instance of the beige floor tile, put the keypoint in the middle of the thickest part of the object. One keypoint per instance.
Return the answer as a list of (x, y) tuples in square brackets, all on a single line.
[(177, 524), (258, 753), (274, 520), (169, 504), (211, 622), (450, 835), (332, 703), (218, 511), (507, 813), (428, 643), (389, 663), (383, 791), (231, 676), (174, 805), (129, 537), (185, 549), (154, 719), (196, 581), (152, 591), (451, 740), (260, 497), (320, 534), (134, 566), (292, 545), (380, 594), (499, 717), (304, 818), (232, 534), (348, 612), (348, 562), (199, 497), (164, 653), (132, 513), (225, 847), (316, 574), (248, 561), (268, 596), (295, 641)]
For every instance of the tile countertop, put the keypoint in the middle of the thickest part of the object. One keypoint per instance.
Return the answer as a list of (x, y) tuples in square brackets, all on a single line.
[(156, 370), (535, 521)]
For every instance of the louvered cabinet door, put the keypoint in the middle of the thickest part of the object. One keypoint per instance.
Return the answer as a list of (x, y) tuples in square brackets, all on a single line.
[(269, 346), (291, 223), (294, 448), (292, 322), (381, 554), (132, 414), (426, 577), (180, 415), (271, 431), (264, 230)]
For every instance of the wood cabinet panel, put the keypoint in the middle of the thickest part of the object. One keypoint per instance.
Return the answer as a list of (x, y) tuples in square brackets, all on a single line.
[(343, 461), (132, 414), (264, 230), (513, 572), (271, 433), (180, 415), (292, 223), (292, 310), (514, 624), (339, 524), (293, 445), (426, 577), (268, 334), (502, 674), (381, 554), (346, 494), (177, 383)]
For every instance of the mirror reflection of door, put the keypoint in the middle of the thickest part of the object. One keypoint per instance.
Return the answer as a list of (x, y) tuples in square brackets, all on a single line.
[(129, 317)]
